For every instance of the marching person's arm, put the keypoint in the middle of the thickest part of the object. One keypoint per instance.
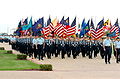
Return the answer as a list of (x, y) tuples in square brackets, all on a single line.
[(43, 43), (104, 45), (33, 43), (111, 43), (115, 45), (36, 43)]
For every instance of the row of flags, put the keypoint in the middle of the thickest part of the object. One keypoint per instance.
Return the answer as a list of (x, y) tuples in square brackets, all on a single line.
[(63, 28), (102, 29)]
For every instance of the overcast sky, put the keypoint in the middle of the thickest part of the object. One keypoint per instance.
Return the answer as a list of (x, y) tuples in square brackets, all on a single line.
[(12, 11)]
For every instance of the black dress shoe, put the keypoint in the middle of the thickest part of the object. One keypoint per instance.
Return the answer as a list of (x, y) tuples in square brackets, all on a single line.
[(109, 62), (106, 62), (117, 62), (63, 58), (42, 59)]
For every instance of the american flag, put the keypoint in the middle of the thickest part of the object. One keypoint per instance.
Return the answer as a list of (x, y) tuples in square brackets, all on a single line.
[(115, 28), (59, 30), (92, 31), (99, 32), (72, 30), (47, 30)]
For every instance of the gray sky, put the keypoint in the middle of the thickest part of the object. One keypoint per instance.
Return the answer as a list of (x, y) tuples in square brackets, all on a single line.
[(12, 11)]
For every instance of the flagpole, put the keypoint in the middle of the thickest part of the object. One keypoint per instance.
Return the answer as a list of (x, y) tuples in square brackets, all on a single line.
[(90, 26), (83, 30), (77, 28)]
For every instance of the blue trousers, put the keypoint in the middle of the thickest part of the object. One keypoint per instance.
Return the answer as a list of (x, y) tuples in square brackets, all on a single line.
[(108, 52)]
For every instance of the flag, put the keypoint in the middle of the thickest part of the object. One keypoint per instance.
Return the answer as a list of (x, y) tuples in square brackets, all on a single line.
[(25, 21), (100, 24), (40, 23), (17, 32), (107, 22), (62, 20), (83, 24), (23, 24), (30, 23), (82, 32), (19, 25), (92, 31), (100, 29), (113, 34), (115, 28), (37, 27), (49, 28), (72, 30), (59, 30), (87, 27), (107, 25), (66, 26), (73, 23), (66, 23), (26, 27), (45, 31), (54, 22), (99, 32), (48, 21), (92, 24)]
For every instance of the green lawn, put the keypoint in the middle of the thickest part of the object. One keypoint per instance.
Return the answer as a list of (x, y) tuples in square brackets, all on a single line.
[(9, 62)]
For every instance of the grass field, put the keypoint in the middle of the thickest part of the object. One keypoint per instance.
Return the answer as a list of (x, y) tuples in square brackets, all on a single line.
[(9, 62)]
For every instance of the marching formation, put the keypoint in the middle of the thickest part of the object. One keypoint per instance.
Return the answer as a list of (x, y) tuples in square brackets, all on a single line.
[(38, 47), (60, 39)]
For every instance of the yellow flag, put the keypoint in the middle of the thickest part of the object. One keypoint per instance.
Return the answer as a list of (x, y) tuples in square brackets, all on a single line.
[(107, 23), (74, 36), (54, 22)]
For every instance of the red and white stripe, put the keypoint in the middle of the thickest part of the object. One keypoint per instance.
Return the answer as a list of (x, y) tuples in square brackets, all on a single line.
[(51, 27), (59, 30), (114, 28), (47, 30), (97, 34), (71, 31)]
